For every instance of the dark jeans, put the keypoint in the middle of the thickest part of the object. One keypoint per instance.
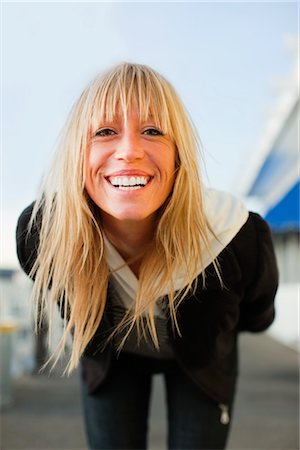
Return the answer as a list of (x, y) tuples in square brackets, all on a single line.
[(116, 416)]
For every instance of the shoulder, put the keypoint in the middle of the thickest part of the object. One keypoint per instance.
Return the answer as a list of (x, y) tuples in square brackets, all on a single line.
[(248, 269), (254, 250), (27, 239), (252, 235), (24, 218), (249, 249)]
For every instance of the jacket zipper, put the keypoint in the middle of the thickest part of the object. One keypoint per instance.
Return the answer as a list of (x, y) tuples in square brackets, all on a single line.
[(224, 418)]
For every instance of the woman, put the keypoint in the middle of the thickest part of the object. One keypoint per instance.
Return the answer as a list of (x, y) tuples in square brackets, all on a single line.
[(152, 272)]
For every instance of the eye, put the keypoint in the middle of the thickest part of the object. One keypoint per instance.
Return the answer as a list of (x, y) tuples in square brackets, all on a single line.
[(103, 132), (153, 132)]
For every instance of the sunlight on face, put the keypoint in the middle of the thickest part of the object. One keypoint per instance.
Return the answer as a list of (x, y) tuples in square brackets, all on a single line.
[(130, 168)]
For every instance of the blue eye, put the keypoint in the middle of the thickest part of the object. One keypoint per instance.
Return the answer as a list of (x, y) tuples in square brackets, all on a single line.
[(153, 132), (105, 132)]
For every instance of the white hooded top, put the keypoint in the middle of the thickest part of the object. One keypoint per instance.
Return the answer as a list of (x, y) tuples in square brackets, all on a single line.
[(226, 216)]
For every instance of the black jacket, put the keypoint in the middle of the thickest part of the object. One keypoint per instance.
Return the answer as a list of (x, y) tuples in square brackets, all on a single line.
[(209, 319)]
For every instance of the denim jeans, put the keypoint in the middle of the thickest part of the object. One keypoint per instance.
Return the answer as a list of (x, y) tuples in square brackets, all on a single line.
[(116, 416)]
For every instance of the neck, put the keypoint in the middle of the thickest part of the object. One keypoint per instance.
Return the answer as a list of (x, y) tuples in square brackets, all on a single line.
[(130, 238)]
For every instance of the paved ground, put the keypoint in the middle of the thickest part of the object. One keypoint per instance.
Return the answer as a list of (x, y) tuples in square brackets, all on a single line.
[(46, 411)]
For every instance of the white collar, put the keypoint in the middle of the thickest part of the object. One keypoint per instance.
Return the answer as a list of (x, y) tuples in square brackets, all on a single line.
[(226, 215)]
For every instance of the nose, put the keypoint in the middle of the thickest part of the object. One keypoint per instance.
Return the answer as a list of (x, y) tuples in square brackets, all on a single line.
[(129, 147)]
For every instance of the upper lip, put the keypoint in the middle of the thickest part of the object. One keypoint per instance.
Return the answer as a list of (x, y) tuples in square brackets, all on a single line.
[(129, 173)]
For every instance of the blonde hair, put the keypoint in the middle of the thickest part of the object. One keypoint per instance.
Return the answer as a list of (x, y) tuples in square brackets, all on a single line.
[(71, 257)]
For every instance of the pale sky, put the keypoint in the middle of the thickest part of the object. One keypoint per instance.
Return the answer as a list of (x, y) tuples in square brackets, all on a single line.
[(221, 57)]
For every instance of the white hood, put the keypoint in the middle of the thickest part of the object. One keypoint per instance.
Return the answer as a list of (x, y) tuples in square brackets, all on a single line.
[(226, 215)]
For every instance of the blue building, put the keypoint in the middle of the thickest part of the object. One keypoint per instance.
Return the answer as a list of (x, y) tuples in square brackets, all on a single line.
[(272, 178), (271, 182)]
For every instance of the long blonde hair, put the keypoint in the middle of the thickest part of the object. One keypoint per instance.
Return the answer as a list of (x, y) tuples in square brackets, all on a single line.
[(71, 256)]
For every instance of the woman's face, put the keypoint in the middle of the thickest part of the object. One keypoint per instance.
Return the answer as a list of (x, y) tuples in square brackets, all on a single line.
[(130, 168)]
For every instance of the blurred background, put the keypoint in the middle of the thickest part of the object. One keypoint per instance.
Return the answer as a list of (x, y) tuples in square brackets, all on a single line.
[(235, 65)]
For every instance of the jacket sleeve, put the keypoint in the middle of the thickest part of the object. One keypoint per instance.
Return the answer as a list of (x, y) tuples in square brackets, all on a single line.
[(256, 255), (27, 240)]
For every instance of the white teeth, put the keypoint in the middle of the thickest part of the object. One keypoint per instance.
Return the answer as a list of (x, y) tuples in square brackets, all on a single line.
[(135, 182), (129, 188)]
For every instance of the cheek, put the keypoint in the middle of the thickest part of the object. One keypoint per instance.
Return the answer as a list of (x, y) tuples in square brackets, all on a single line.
[(94, 162), (92, 159), (90, 171), (171, 165)]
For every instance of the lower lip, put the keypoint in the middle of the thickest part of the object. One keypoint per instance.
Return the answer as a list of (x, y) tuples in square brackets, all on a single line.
[(129, 191)]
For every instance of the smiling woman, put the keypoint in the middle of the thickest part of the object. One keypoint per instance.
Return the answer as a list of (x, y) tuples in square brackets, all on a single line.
[(152, 272), (129, 174)]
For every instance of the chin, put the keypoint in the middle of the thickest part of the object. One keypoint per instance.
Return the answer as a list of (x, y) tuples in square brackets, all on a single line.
[(131, 217)]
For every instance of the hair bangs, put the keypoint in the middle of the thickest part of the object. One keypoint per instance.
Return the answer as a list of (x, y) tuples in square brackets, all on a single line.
[(131, 87)]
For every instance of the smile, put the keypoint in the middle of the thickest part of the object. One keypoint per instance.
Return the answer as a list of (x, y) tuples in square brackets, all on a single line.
[(129, 183)]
